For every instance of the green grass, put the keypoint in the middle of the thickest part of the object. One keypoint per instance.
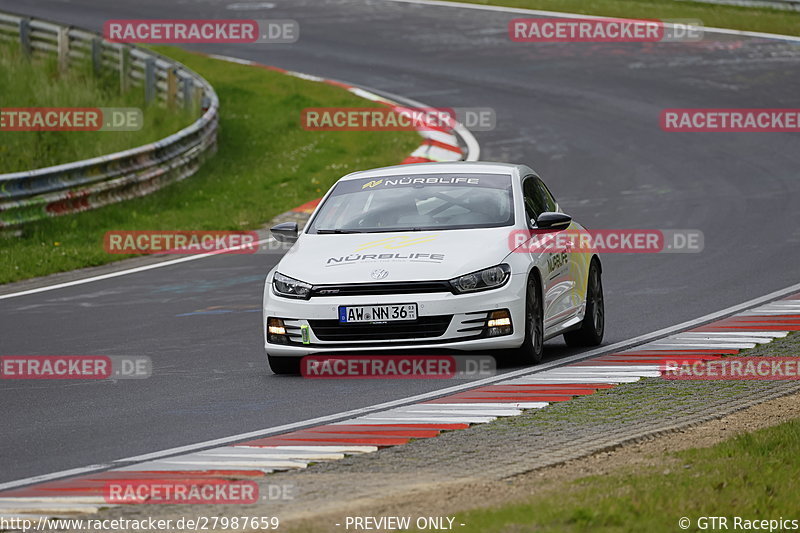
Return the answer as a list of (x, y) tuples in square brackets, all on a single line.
[(266, 164), (38, 83), (752, 475), (712, 15)]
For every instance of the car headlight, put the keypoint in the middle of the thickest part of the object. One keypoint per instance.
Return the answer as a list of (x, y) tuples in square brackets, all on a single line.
[(488, 278), (290, 287)]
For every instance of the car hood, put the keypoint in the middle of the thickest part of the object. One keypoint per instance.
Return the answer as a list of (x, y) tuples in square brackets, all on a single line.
[(402, 256)]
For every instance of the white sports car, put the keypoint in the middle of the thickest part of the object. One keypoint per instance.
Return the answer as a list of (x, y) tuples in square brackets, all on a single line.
[(429, 256)]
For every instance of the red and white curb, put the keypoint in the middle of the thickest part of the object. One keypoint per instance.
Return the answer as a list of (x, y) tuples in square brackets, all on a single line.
[(292, 450), (438, 145), (427, 419), (85, 494)]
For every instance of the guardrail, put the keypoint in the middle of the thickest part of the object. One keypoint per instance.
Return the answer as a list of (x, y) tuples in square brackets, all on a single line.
[(92, 183)]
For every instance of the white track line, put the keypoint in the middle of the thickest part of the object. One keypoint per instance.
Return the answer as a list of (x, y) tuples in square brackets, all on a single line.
[(529, 373), (128, 271), (473, 153)]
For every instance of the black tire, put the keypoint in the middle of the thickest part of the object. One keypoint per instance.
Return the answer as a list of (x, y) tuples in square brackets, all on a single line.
[(594, 322), (284, 365), (532, 349)]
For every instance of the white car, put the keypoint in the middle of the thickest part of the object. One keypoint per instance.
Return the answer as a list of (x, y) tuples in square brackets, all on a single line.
[(428, 256)]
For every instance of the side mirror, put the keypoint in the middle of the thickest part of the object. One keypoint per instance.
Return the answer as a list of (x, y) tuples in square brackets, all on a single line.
[(554, 221), (285, 231)]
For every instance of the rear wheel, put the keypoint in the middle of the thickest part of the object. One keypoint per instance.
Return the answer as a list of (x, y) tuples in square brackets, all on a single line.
[(284, 365), (594, 322), (532, 349)]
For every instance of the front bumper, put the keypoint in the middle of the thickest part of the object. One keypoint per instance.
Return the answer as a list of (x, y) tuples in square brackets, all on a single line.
[(441, 317)]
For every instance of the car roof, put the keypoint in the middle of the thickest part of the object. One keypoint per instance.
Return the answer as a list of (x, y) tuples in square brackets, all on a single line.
[(461, 167)]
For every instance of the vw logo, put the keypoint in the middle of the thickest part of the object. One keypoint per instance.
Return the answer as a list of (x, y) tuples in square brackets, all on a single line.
[(379, 273)]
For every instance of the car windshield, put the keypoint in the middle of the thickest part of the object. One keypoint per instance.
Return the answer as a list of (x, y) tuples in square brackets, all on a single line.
[(416, 203)]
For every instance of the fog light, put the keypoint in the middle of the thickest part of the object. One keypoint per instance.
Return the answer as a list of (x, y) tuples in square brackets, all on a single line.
[(276, 331), (499, 323)]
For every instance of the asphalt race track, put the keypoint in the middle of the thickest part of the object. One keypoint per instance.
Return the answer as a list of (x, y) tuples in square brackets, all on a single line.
[(586, 116)]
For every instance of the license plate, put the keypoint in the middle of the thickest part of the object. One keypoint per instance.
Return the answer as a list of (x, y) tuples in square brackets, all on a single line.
[(377, 313)]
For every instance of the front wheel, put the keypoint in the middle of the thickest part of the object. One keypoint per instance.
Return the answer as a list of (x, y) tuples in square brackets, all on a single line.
[(594, 322), (532, 349)]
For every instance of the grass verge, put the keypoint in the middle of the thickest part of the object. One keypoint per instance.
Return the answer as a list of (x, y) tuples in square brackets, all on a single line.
[(266, 164), (713, 15), (38, 83), (751, 476), (532, 473)]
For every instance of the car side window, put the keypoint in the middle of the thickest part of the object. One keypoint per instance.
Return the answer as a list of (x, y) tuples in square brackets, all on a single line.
[(547, 196), (534, 200)]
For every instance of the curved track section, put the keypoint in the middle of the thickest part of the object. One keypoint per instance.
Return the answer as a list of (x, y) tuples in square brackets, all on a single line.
[(585, 116)]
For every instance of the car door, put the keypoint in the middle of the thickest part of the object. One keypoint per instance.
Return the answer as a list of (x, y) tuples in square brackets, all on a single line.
[(580, 260), (556, 265)]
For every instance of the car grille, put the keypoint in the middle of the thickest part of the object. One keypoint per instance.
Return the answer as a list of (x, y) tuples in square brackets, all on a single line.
[(389, 287), (423, 327)]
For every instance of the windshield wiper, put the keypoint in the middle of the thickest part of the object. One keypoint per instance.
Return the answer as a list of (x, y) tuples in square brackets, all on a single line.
[(324, 231), (397, 230)]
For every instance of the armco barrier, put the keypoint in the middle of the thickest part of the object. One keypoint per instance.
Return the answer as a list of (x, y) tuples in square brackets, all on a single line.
[(83, 185)]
